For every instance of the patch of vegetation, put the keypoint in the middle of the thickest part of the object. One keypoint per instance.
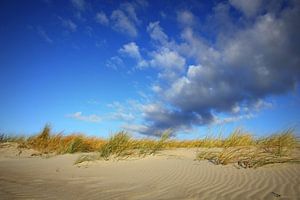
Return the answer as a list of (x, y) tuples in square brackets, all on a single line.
[(240, 147), (10, 138), (119, 145), (122, 146), (46, 142), (238, 138), (249, 154), (279, 144), (87, 158)]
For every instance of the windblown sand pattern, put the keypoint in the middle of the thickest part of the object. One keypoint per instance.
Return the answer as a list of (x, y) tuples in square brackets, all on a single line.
[(173, 174)]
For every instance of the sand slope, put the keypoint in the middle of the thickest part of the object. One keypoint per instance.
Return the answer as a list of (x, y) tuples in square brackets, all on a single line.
[(172, 175)]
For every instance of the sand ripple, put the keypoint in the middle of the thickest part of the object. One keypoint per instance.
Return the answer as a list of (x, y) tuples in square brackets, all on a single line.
[(160, 177)]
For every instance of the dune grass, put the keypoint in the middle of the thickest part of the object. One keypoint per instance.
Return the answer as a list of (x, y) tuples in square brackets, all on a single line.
[(240, 147), (279, 144), (122, 146), (47, 142), (11, 138), (249, 153)]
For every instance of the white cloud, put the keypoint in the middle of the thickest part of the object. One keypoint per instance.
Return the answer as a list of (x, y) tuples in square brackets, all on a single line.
[(115, 63), (154, 108), (168, 60), (115, 105), (122, 23), (197, 48), (248, 7), (127, 111), (87, 118), (135, 128), (156, 88), (101, 18), (124, 19), (122, 116), (261, 104), (79, 4), (156, 32), (231, 72), (142, 64), (244, 68), (132, 50), (226, 120), (186, 18), (130, 10)]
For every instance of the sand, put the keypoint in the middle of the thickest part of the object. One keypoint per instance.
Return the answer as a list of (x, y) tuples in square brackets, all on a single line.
[(173, 174)]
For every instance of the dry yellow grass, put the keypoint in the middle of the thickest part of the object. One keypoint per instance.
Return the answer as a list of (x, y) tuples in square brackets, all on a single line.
[(239, 147), (46, 142), (248, 153), (122, 146)]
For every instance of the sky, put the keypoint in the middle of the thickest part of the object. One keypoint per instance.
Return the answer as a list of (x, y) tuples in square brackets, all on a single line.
[(191, 68)]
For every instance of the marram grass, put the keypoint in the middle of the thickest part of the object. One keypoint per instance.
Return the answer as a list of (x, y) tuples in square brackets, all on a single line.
[(46, 142), (240, 147), (122, 146), (277, 148)]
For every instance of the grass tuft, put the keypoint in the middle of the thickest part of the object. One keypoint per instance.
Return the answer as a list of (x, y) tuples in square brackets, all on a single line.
[(9, 138), (238, 138), (118, 145), (122, 146), (46, 142), (280, 144), (274, 149)]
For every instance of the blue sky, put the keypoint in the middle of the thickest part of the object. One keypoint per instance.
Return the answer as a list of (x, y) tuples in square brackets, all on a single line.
[(190, 67)]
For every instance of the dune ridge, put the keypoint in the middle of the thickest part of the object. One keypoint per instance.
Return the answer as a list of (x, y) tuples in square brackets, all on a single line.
[(172, 174)]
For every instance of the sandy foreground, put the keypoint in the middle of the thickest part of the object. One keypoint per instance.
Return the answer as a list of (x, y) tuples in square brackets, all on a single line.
[(173, 174)]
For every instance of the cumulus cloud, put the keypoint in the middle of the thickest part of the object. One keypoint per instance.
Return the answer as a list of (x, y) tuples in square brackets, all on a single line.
[(158, 119), (122, 23), (167, 59), (101, 18), (248, 8), (156, 32), (130, 9), (125, 20), (122, 116), (115, 63), (132, 50), (186, 18), (226, 120), (232, 75), (220, 23), (126, 111), (254, 65), (87, 118), (135, 128), (169, 62), (197, 48)]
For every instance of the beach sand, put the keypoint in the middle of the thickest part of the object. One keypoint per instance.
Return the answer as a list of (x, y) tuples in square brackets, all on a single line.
[(172, 174)]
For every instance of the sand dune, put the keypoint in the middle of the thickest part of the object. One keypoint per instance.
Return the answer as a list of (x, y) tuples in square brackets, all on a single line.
[(171, 175)]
